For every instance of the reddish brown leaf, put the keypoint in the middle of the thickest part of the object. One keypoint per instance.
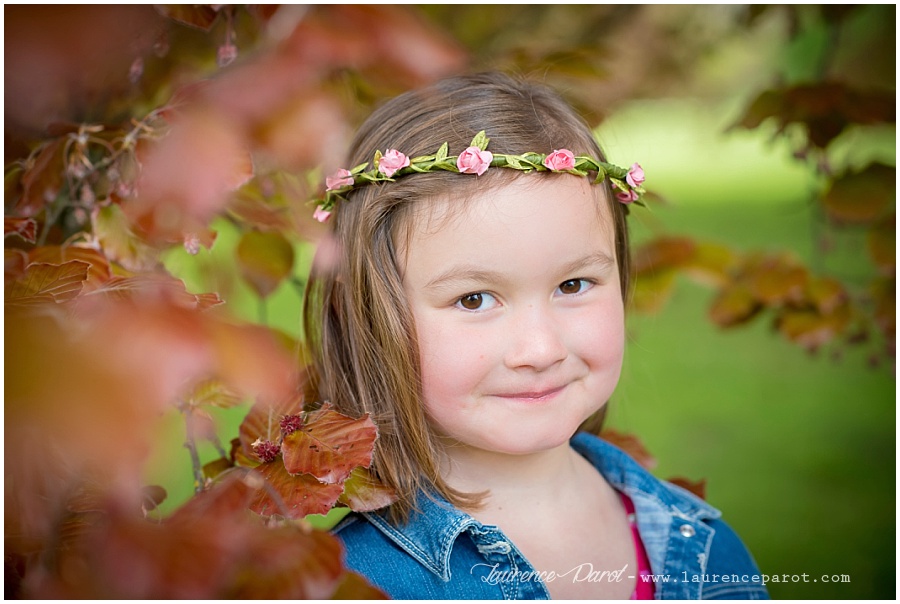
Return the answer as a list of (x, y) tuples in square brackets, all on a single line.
[(286, 563), (187, 177), (153, 495), (824, 108), (89, 496), (697, 487), (207, 301), (194, 240), (292, 496), (262, 423), (882, 242), (214, 393), (26, 228), (200, 16), (768, 104), (811, 329), (355, 587), (251, 361), (663, 253), (870, 107), (82, 53), (157, 287), (652, 290), (200, 424), (632, 445), (734, 305), (362, 493), (117, 238), (826, 293), (330, 445), (711, 263), (44, 282), (14, 263), (98, 273), (210, 548), (250, 207), (225, 500), (861, 197), (95, 389), (137, 559), (215, 467), (265, 260), (415, 51), (318, 114), (884, 293), (775, 281), (42, 179)]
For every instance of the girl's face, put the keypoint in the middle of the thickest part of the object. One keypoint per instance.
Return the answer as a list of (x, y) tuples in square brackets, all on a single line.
[(518, 313)]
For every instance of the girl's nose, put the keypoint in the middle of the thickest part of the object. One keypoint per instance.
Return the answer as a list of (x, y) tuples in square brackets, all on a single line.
[(535, 340)]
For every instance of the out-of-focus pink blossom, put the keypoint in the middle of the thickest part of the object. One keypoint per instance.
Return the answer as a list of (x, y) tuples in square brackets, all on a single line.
[(474, 161), (391, 161), (192, 244), (136, 70), (226, 54), (560, 159), (321, 214), (341, 178), (635, 176)]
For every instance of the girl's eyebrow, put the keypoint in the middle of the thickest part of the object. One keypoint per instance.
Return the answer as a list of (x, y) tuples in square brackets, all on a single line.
[(467, 273), (463, 274), (599, 259)]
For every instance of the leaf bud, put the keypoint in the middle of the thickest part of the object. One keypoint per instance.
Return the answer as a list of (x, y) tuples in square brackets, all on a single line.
[(266, 450), (290, 424)]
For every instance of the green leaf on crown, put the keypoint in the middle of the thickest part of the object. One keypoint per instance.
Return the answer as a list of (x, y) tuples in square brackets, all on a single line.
[(481, 141), (442, 153)]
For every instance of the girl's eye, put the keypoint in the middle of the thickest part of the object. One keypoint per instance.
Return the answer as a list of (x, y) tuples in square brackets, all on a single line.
[(477, 301), (574, 286)]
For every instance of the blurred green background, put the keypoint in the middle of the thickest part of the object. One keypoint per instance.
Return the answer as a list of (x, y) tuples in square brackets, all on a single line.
[(798, 450)]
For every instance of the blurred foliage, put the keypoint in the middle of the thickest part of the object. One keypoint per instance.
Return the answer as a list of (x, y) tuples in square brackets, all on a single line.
[(135, 131)]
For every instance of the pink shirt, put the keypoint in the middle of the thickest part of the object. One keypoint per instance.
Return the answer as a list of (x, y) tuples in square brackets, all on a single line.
[(643, 590)]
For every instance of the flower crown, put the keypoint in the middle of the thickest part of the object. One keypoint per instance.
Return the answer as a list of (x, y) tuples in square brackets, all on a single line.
[(476, 159)]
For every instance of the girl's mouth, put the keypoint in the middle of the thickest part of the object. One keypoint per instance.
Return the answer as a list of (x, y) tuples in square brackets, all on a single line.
[(533, 396)]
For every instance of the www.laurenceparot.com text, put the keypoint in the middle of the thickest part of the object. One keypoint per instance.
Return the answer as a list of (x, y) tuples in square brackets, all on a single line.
[(586, 573)]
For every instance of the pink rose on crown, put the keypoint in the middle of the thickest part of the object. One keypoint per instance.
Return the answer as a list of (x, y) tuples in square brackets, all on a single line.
[(560, 159), (635, 176), (321, 214), (341, 178), (627, 196), (391, 161), (474, 161)]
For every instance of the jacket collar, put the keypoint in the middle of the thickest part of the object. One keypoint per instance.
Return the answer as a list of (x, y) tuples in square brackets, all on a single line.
[(433, 528), (629, 477)]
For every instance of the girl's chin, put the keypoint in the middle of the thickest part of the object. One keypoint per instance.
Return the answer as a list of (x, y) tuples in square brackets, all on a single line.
[(517, 446)]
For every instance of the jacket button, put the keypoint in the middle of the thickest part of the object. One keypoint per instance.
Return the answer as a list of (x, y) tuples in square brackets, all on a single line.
[(687, 531)]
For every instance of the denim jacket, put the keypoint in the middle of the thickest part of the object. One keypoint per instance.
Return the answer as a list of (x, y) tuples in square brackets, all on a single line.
[(443, 553)]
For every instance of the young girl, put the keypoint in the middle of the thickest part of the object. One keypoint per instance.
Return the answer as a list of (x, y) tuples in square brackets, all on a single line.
[(476, 311)]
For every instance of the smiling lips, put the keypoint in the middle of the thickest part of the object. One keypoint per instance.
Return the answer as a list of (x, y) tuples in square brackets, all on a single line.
[(534, 396)]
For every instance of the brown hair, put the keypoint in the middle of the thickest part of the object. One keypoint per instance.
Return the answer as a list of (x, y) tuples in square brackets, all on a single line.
[(359, 328)]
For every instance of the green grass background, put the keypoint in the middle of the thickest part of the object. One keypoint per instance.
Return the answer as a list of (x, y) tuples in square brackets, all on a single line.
[(798, 451)]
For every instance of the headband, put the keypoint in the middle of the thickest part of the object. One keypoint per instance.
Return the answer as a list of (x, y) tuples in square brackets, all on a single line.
[(476, 159)]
